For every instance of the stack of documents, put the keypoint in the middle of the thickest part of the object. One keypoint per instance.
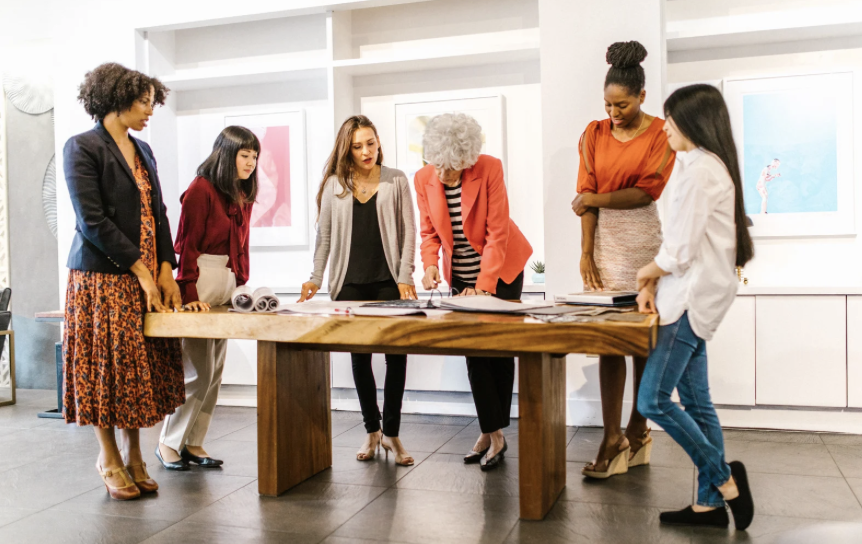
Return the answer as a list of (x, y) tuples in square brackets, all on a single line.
[(492, 305), (599, 298)]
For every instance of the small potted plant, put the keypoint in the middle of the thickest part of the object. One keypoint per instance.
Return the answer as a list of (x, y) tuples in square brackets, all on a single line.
[(538, 271)]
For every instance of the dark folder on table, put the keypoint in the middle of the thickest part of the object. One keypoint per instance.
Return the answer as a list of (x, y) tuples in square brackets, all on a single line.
[(599, 298)]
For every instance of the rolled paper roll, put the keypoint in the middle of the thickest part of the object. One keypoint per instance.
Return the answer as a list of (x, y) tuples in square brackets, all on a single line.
[(243, 299), (264, 300)]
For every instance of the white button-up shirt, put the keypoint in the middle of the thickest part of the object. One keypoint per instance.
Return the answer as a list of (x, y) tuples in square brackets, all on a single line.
[(699, 248)]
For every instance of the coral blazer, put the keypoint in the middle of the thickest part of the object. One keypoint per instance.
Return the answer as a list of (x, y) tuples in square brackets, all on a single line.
[(487, 226)]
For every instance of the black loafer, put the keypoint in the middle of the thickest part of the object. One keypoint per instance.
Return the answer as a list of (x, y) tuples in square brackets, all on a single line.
[(475, 456), (687, 516), (176, 465), (743, 505), (490, 464), (205, 462)]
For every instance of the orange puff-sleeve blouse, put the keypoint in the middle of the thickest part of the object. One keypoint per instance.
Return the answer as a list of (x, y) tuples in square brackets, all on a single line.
[(609, 165)]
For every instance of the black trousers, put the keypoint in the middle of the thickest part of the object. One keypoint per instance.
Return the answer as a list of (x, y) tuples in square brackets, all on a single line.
[(363, 377), (492, 379)]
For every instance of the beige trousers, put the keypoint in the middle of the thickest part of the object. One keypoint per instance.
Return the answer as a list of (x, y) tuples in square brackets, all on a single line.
[(203, 362)]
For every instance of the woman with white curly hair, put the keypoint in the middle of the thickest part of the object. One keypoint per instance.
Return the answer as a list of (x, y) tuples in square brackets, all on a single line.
[(464, 210)]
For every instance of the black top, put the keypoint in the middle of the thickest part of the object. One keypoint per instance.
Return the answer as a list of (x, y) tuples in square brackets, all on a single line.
[(367, 262), (107, 204)]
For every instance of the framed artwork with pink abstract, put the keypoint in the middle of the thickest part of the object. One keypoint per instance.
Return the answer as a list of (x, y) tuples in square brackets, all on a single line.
[(280, 214)]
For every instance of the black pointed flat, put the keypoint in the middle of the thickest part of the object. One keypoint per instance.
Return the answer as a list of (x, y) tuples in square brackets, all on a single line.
[(687, 516), (493, 462), (475, 456), (176, 465), (205, 462)]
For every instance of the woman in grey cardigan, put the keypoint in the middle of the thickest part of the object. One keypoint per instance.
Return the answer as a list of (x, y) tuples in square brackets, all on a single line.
[(366, 229)]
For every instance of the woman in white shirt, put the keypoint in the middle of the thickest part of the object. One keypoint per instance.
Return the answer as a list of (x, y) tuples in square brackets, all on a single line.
[(705, 236)]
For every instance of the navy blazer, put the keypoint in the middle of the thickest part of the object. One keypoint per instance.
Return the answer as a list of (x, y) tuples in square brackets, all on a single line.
[(107, 204)]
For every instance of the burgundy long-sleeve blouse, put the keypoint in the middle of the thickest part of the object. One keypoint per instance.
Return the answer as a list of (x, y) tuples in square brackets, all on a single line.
[(210, 224)]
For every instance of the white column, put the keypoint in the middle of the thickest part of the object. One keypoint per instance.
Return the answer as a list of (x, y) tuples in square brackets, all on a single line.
[(574, 38)]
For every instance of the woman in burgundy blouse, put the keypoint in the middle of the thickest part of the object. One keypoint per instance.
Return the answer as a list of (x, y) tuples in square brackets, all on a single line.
[(212, 242)]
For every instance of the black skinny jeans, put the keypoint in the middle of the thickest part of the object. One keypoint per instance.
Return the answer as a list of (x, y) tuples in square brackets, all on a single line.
[(363, 377), (492, 379)]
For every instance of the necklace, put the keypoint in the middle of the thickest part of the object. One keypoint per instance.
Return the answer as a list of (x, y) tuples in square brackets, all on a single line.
[(643, 119), (363, 188)]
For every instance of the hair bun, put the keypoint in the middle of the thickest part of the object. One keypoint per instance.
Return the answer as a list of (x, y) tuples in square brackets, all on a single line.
[(626, 54)]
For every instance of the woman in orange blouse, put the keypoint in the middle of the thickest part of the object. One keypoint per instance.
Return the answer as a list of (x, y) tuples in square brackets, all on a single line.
[(625, 164)]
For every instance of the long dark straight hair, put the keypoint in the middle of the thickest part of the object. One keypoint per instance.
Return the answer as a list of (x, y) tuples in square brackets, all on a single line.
[(340, 163), (220, 167), (700, 114)]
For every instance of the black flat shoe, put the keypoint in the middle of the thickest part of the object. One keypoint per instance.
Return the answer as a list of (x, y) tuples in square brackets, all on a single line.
[(475, 456), (176, 465), (687, 516), (490, 464), (205, 462), (743, 505)]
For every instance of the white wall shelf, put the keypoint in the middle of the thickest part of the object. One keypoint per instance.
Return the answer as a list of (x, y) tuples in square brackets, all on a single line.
[(434, 61), (233, 75)]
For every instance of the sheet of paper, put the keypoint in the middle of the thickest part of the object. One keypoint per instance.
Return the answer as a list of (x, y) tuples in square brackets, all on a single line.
[(394, 312), (490, 304), (319, 307)]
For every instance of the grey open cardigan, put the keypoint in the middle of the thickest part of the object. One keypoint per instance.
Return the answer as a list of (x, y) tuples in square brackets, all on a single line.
[(335, 226)]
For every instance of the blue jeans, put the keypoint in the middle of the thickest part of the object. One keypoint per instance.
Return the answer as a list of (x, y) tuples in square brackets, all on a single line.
[(679, 361)]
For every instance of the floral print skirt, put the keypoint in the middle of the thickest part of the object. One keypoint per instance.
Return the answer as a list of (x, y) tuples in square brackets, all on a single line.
[(113, 375)]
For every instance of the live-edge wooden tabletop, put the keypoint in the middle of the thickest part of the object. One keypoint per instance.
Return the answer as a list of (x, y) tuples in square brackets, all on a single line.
[(456, 333)]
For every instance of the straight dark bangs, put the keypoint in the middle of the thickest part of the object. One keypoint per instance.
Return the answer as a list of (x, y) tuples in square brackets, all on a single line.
[(220, 167), (700, 114)]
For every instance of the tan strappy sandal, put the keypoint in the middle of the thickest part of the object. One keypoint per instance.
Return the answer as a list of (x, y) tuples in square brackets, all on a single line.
[(127, 492), (142, 478), (642, 456), (368, 454), (405, 460), (617, 465)]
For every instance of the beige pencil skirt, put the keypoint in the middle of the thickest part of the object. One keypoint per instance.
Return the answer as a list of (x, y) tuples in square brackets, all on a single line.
[(626, 241)]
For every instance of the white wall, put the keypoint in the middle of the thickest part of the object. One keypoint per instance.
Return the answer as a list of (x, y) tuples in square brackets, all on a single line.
[(815, 261)]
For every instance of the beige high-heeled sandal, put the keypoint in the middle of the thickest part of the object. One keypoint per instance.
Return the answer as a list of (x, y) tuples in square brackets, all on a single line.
[(617, 465), (127, 492), (642, 456), (403, 460), (368, 455)]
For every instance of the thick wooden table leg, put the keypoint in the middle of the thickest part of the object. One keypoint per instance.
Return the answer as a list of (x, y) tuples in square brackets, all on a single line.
[(542, 430), (294, 425)]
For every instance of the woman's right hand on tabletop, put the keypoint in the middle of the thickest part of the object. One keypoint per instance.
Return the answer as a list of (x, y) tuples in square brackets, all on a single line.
[(151, 291), (196, 306), (646, 300), (309, 289), (432, 278), (590, 273), (148, 284)]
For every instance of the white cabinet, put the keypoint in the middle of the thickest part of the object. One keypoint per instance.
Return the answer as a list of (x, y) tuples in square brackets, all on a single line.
[(801, 350), (731, 356), (854, 351)]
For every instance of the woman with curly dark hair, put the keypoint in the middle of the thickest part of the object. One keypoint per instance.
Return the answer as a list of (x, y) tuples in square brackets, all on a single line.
[(121, 265)]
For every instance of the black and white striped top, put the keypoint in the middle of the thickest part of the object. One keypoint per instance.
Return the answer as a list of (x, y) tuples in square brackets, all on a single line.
[(465, 261)]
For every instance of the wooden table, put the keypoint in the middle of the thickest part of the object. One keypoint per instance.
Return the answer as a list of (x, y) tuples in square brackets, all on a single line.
[(293, 381)]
